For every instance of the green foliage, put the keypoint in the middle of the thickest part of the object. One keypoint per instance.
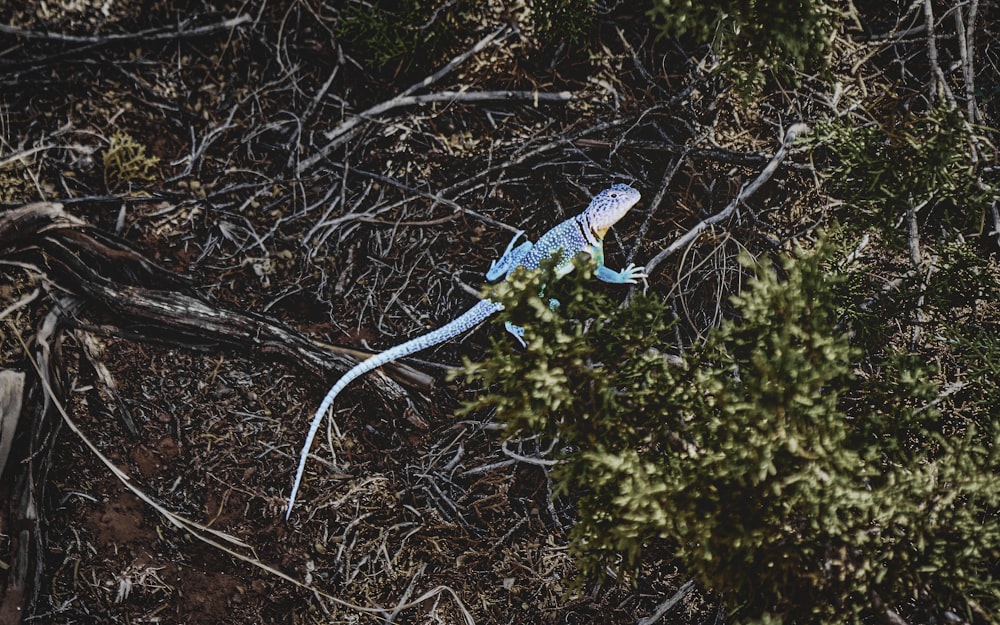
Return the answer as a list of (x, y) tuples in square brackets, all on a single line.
[(955, 297), (979, 349), (556, 20), (559, 371), (964, 275), (407, 32), (751, 38), (126, 162), (767, 464), (902, 160)]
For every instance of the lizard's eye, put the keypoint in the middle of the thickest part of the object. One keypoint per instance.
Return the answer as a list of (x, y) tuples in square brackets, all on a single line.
[(614, 195)]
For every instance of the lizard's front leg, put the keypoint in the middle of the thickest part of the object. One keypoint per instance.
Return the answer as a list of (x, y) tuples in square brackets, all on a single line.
[(510, 259), (629, 275)]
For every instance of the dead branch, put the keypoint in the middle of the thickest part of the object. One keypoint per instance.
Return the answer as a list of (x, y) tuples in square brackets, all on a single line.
[(966, 50), (913, 245), (221, 541), (92, 351), (322, 230), (11, 392), (995, 214), (22, 493), (940, 84), (343, 132), (87, 271), (665, 607), (115, 278), (142, 36), (711, 154), (340, 133), (746, 191)]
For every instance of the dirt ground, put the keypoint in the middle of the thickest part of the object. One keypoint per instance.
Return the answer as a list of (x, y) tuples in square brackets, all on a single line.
[(214, 138)]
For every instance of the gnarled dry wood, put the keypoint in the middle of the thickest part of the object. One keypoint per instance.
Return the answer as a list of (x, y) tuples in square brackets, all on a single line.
[(22, 488), (107, 273), (11, 392)]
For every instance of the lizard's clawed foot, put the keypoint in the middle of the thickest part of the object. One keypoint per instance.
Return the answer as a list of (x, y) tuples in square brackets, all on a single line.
[(629, 275), (632, 274)]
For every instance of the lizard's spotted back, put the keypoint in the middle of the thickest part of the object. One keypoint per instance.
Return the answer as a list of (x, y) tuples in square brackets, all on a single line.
[(584, 232)]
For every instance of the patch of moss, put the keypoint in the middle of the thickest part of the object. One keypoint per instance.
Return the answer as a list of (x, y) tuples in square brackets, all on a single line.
[(126, 162)]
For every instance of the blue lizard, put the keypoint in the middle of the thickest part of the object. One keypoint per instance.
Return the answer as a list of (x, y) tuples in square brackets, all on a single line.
[(583, 233)]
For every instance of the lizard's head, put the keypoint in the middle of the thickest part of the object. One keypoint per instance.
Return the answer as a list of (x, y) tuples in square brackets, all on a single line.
[(608, 207)]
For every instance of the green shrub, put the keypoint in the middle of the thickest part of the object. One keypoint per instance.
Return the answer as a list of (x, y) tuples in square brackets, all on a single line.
[(413, 34), (421, 34), (767, 464), (963, 276), (882, 167), (979, 350), (557, 20), (782, 37)]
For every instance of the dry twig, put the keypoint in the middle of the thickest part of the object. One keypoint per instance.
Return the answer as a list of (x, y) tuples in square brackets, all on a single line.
[(746, 191), (667, 605), (142, 36), (117, 278)]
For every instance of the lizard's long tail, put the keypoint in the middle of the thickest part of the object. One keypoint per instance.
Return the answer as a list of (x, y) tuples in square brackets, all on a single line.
[(469, 319)]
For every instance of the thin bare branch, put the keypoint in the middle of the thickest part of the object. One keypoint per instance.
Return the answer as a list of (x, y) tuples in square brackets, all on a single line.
[(143, 36), (746, 191), (667, 605), (940, 83), (342, 133)]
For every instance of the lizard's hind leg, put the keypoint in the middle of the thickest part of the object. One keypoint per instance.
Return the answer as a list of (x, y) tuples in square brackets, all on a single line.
[(516, 331), (510, 259)]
